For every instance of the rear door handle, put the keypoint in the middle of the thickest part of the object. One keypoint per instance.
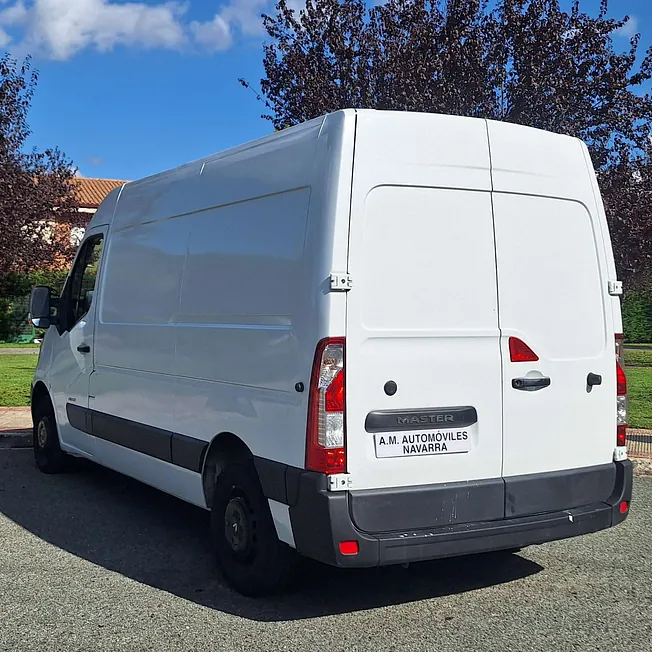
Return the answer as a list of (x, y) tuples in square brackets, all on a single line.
[(593, 379), (84, 348), (530, 384)]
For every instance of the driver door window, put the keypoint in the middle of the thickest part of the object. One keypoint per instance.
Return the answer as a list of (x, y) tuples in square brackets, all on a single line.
[(82, 280)]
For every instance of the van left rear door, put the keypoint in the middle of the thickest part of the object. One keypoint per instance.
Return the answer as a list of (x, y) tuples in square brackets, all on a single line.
[(423, 367)]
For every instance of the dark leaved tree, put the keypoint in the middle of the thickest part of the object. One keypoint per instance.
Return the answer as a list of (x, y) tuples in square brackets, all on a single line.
[(36, 188), (523, 61)]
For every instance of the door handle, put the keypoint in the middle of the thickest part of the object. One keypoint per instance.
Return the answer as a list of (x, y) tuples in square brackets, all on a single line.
[(530, 384), (593, 379), (84, 348)]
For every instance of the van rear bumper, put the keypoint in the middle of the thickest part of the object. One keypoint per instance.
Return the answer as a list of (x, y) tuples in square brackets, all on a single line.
[(322, 519)]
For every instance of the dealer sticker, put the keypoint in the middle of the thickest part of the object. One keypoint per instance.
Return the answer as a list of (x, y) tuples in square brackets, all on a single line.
[(432, 442)]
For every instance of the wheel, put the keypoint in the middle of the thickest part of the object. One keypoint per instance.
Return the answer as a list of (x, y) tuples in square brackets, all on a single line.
[(252, 559), (47, 450)]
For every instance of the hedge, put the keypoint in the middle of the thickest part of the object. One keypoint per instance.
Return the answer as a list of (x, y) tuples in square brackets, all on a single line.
[(20, 285), (637, 316), (14, 293)]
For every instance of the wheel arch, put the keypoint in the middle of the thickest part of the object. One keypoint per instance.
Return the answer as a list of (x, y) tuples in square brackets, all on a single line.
[(39, 392), (225, 448)]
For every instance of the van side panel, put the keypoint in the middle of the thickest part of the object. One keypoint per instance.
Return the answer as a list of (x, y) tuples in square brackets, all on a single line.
[(244, 345), (240, 323), (214, 297)]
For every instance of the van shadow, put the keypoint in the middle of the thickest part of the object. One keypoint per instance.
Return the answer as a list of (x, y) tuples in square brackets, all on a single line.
[(129, 528)]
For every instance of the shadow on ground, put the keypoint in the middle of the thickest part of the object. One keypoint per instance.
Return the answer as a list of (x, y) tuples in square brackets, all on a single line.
[(126, 527)]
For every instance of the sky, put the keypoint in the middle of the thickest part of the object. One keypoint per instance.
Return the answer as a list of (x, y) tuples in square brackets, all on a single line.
[(130, 88)]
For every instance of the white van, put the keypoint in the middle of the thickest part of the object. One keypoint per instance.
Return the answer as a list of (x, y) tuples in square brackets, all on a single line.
[(374, 338)]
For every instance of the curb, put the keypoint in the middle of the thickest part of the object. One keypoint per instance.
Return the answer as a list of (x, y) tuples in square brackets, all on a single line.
[(15, 439)]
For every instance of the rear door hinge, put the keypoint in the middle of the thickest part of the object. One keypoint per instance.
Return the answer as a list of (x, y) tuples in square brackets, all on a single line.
[(341, 282), (340, 482), (615, 288)]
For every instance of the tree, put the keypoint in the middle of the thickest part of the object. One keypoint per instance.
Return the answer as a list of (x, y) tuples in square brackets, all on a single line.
[(522, 61), (35, 187)]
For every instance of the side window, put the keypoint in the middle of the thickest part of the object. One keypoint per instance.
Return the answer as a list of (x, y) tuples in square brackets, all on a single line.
[(82, 280)]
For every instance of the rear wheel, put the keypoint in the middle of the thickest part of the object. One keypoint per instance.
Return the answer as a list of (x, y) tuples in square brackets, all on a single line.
[(47, 450), (251, 557)]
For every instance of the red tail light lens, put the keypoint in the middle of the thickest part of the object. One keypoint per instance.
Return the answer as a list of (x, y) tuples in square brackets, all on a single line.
[(621, 381), (621, 394), (519, 351), (325, 439), (335, 394)]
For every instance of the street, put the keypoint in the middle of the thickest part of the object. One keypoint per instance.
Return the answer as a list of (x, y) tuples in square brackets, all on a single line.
[(95, 561)]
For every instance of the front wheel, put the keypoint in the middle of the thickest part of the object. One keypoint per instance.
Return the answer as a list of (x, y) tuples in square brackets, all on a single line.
[(251, 557), (47, 451)]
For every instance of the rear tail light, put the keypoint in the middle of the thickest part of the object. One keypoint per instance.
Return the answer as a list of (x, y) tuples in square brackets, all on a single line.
[(519, 351), (621, 394), (325, 440)]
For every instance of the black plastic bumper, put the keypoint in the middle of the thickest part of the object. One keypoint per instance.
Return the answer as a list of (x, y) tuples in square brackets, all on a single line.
[(322, 519)]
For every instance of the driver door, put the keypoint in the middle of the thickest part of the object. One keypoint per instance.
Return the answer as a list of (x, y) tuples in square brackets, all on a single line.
[(72, 355)]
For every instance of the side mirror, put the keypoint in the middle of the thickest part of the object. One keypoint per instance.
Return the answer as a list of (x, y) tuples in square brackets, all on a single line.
[(40, 306)]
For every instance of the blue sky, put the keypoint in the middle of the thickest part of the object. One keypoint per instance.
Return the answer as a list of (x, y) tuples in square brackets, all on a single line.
[(131, 88)]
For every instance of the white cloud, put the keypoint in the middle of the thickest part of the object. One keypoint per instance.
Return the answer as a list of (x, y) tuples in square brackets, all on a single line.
[(13, 14), (59, 29), (213, 35), (5, 39), (630, 28), (246, 15)]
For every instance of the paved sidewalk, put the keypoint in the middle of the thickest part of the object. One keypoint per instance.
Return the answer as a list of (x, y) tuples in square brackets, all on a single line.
[(15, 427), (15, 420)]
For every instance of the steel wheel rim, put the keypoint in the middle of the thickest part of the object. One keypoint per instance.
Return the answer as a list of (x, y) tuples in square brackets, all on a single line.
[(42, 434), (239, 527)]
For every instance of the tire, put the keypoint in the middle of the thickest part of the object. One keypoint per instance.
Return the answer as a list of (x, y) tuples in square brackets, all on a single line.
[(249, 554), (47, 451)]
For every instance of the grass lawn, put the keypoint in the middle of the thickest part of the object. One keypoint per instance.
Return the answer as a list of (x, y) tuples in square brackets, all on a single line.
[(638, 358), (639, 391), (9, 345), (16, 373)]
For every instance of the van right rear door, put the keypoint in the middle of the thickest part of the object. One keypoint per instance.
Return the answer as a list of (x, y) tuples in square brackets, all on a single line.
[(553, 297)]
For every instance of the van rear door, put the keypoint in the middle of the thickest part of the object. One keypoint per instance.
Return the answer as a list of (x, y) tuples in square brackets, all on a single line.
[(559, 409), (423, 367)]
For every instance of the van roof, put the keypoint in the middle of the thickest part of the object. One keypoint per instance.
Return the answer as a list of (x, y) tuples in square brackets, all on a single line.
[(292, 131), (509, 133)]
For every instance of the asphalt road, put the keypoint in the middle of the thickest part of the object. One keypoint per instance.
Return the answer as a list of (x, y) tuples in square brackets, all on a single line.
[(94, 561)]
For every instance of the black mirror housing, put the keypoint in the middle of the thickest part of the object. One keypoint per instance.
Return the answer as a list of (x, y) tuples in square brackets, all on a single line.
[(40, 306)]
